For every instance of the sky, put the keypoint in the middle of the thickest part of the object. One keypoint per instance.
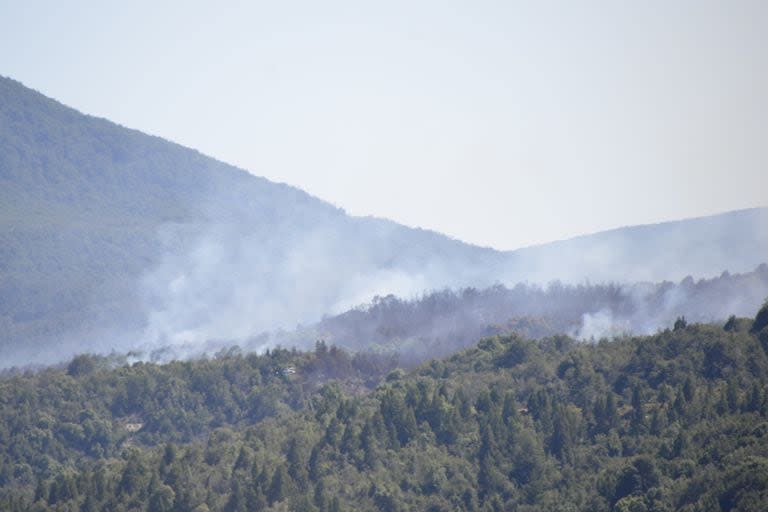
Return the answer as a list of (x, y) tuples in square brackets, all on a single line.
[(503, 124)]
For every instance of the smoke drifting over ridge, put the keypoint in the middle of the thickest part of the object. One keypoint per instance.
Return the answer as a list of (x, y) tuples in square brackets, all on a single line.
[(224, 281), (222, 285), (116, 241), (232, 284), (440, 323), (257, 271), (258, 277)]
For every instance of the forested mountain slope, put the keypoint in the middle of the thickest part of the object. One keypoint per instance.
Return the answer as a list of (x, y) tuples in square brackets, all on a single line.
[(92, 214), (111, 239), (674, 421)]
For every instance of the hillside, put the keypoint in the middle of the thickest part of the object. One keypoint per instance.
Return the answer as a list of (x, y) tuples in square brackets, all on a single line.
[(674, 421), (702, 247), (91, 214), (111, 239), (442, 323)]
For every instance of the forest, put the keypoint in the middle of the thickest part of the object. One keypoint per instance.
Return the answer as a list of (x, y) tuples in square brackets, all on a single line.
[(677, 420), (442, 322)]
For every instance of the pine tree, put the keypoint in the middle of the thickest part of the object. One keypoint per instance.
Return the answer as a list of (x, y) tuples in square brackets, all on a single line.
[(278, 488), (297, 466)]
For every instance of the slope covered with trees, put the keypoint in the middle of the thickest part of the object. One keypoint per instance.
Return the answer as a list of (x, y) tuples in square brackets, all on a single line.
[(441, 323), (674, 421), (111, 239), (91, 211)]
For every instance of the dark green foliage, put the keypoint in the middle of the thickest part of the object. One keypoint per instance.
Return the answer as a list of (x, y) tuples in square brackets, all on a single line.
[(761, 319), (675, 421), (82, 365)]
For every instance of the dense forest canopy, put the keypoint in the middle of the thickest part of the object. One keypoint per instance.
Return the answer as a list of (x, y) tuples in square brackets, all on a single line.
[(673, 421)]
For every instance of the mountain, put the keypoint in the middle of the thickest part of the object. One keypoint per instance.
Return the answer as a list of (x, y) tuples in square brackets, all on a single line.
[(111, 239), (736, 241), (96, 221)]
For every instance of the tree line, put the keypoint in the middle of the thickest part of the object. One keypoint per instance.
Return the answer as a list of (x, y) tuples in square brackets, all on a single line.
[(673, 421)]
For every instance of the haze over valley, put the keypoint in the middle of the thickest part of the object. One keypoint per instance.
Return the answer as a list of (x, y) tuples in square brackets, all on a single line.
[(118, 241)]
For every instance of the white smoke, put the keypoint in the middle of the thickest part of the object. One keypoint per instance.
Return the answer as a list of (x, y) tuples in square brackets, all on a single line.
[(229, 284), (234, 279), (600, 325)]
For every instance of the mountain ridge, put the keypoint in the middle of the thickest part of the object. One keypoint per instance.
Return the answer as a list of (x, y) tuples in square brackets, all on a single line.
[(293, 188), (109, 236), (644, 225)]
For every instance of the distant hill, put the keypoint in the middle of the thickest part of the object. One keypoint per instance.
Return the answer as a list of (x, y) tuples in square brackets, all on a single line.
[(113, 239), (703, 247)]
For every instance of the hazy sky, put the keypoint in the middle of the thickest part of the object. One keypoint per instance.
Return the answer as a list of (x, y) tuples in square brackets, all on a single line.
[(499, 123)]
